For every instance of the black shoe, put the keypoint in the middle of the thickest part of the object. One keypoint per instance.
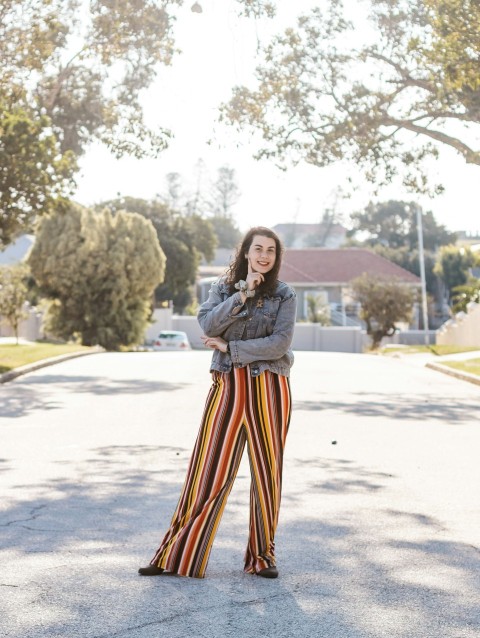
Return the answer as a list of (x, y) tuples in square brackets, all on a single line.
[(151, 570), (268, 572)]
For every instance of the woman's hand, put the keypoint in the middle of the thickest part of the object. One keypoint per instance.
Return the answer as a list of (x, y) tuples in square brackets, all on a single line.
[(254, 279), (216, 343)]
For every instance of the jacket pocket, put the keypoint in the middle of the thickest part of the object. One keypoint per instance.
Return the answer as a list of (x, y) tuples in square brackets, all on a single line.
[(270, 311)]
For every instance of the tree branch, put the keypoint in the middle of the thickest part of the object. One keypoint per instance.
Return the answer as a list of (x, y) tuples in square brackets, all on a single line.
[(435, 115), (63, 74), (404, 74), (471, 156)]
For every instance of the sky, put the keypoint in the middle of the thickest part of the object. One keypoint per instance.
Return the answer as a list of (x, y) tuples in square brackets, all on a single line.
[(219, 51)]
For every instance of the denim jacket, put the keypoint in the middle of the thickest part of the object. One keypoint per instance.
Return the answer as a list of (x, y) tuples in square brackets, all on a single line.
[(259, 335)]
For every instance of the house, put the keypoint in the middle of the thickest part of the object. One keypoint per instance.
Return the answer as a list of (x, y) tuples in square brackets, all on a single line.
[(327, 273), (16, 252)]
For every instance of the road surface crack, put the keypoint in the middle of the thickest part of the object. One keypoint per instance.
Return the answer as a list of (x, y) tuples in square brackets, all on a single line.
[(181, 614), (33, 515)]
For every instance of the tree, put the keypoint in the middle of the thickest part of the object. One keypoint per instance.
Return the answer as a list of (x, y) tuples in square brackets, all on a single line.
[(34, 174), (465, 294), (410, 260), (331, 216), (195, 202), (391, 231), (453, 266), (204, 236), (225, 192), (386, 105), (72, 73), (174, 190), (212, 202), (99, 271), (13, 295), (318, 312), (183, 239), (394, 224), (384, 302), (226, 231), (86, 75)]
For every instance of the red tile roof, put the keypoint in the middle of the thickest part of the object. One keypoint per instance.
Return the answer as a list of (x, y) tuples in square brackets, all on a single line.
[(337, 266)]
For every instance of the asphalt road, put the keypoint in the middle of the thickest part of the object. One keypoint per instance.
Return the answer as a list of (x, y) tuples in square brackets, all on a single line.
[(379, 533)]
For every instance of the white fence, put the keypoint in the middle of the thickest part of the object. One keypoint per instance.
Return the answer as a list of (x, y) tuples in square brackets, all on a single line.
[(29, 329), (313, 336), (308, 336), (463, 329)]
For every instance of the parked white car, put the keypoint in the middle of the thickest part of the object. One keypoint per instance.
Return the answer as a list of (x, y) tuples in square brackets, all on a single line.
[(172, 340)]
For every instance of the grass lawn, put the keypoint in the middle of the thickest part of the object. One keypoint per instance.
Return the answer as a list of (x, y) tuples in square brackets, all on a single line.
[(471, 365), (13, 356), (438, 350)]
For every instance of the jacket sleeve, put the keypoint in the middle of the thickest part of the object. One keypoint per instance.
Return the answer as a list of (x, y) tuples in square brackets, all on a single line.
[(274, 346), (215, 315)]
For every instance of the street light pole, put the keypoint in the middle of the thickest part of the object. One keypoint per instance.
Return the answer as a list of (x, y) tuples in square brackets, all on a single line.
[(422, 273)]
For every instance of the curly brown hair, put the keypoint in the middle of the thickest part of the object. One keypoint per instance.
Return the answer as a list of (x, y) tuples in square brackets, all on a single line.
[(238, 268)]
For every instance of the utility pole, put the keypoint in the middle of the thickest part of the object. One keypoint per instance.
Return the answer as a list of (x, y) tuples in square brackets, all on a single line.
[(422, 273)]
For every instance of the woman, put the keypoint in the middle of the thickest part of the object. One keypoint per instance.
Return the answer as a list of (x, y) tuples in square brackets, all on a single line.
[(248, 321)]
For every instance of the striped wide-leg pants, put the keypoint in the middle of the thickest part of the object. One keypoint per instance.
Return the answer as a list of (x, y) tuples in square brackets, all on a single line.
[(240, 408)]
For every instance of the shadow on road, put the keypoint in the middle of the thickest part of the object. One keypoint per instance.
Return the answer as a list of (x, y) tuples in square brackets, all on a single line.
[(341, 476), (387, 588), (32, 394), (76, 545), (4, 465), (403, 408)]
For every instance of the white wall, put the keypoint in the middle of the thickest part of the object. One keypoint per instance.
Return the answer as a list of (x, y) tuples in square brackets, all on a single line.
[(191, 326), (308, 336), (313, 336), (463, 329), (29, 329), (161, 320)]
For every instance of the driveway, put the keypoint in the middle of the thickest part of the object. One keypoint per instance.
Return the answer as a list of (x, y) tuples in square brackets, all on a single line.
[(379, 528)]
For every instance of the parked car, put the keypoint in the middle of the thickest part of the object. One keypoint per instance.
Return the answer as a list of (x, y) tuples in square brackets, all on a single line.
[(172, 340)]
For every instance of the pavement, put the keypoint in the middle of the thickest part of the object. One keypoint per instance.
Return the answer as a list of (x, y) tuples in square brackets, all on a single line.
[(437, 363), (379, 528)]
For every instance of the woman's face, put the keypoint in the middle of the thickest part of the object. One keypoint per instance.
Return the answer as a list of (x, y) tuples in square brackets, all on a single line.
[(262, 254)]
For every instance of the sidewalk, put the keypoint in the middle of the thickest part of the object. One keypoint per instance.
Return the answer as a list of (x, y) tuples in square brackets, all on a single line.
[(425, 357), (434, 362)]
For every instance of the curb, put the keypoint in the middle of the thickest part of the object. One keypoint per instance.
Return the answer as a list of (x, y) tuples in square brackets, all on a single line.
[(464, 376), (43, 363)]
